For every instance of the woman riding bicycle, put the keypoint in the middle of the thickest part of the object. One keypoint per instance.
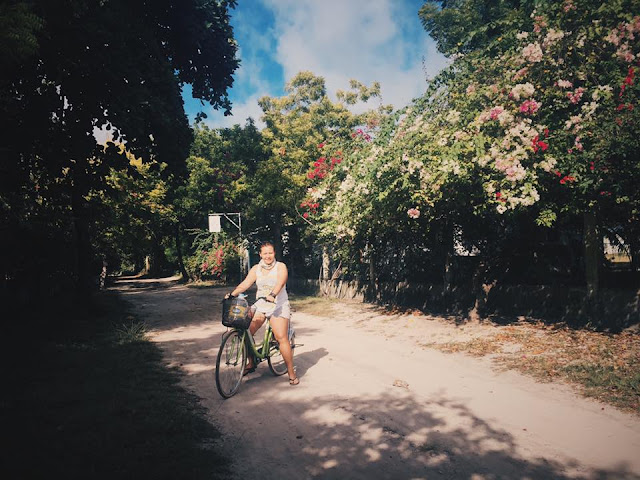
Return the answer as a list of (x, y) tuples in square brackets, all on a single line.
[(270, 276)]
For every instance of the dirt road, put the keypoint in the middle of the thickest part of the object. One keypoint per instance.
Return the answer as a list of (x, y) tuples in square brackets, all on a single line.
[(372, 403)]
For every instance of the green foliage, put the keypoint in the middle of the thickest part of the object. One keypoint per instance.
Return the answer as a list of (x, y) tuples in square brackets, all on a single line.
[(297, 124), (18, 35), (535, 119), (69, 67)]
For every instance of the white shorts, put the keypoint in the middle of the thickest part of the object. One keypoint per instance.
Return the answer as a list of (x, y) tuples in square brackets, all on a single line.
[(272, 310)]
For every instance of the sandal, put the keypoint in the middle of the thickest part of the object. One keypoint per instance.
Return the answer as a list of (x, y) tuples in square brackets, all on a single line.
[(248, 370), (294, 381)]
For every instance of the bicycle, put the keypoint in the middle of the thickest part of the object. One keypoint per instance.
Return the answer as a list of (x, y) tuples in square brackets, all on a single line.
[(237, 343)]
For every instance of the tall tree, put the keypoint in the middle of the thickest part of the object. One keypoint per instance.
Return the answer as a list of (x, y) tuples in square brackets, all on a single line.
[(118, 64), (297, 125)]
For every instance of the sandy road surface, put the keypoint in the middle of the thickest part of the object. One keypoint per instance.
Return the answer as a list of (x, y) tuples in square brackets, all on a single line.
[(372, 403)]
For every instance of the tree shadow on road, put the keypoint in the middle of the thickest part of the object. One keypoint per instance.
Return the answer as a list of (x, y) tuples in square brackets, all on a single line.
[(394, 436)]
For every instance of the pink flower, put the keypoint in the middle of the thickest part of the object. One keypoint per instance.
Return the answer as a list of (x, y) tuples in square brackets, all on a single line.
[(532, 53), (495, 112), (529, 107), (413, 213), (576, 95), (305, 215)]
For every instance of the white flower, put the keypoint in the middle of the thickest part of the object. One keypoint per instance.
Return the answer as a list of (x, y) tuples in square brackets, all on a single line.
[(547, 164), (574, 121), (501, 209), (453, 116), (589, 108), (522, 35), (532, 53), (564, 84), (505, 118), (522, 90), (552, 37)]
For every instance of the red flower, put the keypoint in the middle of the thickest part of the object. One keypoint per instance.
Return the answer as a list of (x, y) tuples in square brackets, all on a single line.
[(311, 175), (305, 215), (320, 145), (546, 132)]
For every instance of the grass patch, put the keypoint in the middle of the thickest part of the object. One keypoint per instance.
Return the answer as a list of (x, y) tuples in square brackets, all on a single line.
[(209, 284), (93, 399), (603, 366), (312, 305)]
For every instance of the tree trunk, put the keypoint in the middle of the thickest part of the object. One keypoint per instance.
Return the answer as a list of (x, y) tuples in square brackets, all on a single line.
[(373, 287), (103, 274), (481, 289), (178, 240), (447, 277), (592, 250), (83, 243), (634, 251), (277, 237), (326, 263)]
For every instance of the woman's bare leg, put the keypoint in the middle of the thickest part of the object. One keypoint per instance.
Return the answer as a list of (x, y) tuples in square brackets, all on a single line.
[(280, 327), (256, 323)]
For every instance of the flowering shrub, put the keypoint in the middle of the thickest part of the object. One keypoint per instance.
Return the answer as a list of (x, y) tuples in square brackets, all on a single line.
[(213, 258), (544, 118)]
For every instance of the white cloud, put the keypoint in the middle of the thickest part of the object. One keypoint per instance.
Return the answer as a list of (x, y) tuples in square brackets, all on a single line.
[(366, 40), (361, 39), (241, 111)]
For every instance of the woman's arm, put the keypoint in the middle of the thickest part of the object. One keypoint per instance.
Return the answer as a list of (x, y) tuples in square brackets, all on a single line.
[(283, 275), (246, 283)]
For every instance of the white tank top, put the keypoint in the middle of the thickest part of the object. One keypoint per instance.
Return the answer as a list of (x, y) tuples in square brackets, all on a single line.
[(266, 282)]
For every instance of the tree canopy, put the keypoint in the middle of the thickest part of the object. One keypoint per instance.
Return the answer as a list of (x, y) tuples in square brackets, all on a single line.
[(116, 64)]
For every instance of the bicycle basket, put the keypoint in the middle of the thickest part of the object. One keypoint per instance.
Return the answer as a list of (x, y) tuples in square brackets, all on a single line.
[(235, 313)]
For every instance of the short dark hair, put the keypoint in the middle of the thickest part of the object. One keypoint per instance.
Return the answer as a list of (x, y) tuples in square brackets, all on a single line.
[(266, 244)]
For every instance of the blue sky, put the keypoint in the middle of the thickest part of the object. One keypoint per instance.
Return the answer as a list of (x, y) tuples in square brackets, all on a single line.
[(366, 40)]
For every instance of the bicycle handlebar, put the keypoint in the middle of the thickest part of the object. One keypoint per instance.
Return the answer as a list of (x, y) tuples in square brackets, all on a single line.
[(234, 296)]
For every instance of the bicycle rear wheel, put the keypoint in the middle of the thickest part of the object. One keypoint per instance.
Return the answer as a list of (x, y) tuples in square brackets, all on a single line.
[(276, 362), (230, 363)]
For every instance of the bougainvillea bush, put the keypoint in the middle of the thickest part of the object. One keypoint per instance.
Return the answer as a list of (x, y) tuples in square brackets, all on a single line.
[(215, 257), (538, 124)]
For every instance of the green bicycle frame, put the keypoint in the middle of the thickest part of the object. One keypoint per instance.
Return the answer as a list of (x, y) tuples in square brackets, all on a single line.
[(259, 351)]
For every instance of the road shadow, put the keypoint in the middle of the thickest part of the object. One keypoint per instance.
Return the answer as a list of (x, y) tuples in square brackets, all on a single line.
[(397, 434)]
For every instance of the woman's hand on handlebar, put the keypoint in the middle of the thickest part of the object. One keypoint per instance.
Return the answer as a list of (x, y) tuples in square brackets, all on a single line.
[(228, 295), (270, 299)]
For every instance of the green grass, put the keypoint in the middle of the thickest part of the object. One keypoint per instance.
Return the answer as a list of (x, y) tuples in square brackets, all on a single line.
[(91, 398), (312, 305), (607, 383)]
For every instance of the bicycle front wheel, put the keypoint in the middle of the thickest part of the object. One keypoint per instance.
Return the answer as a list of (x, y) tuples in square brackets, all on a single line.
[(276, 362), (230, 363)]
